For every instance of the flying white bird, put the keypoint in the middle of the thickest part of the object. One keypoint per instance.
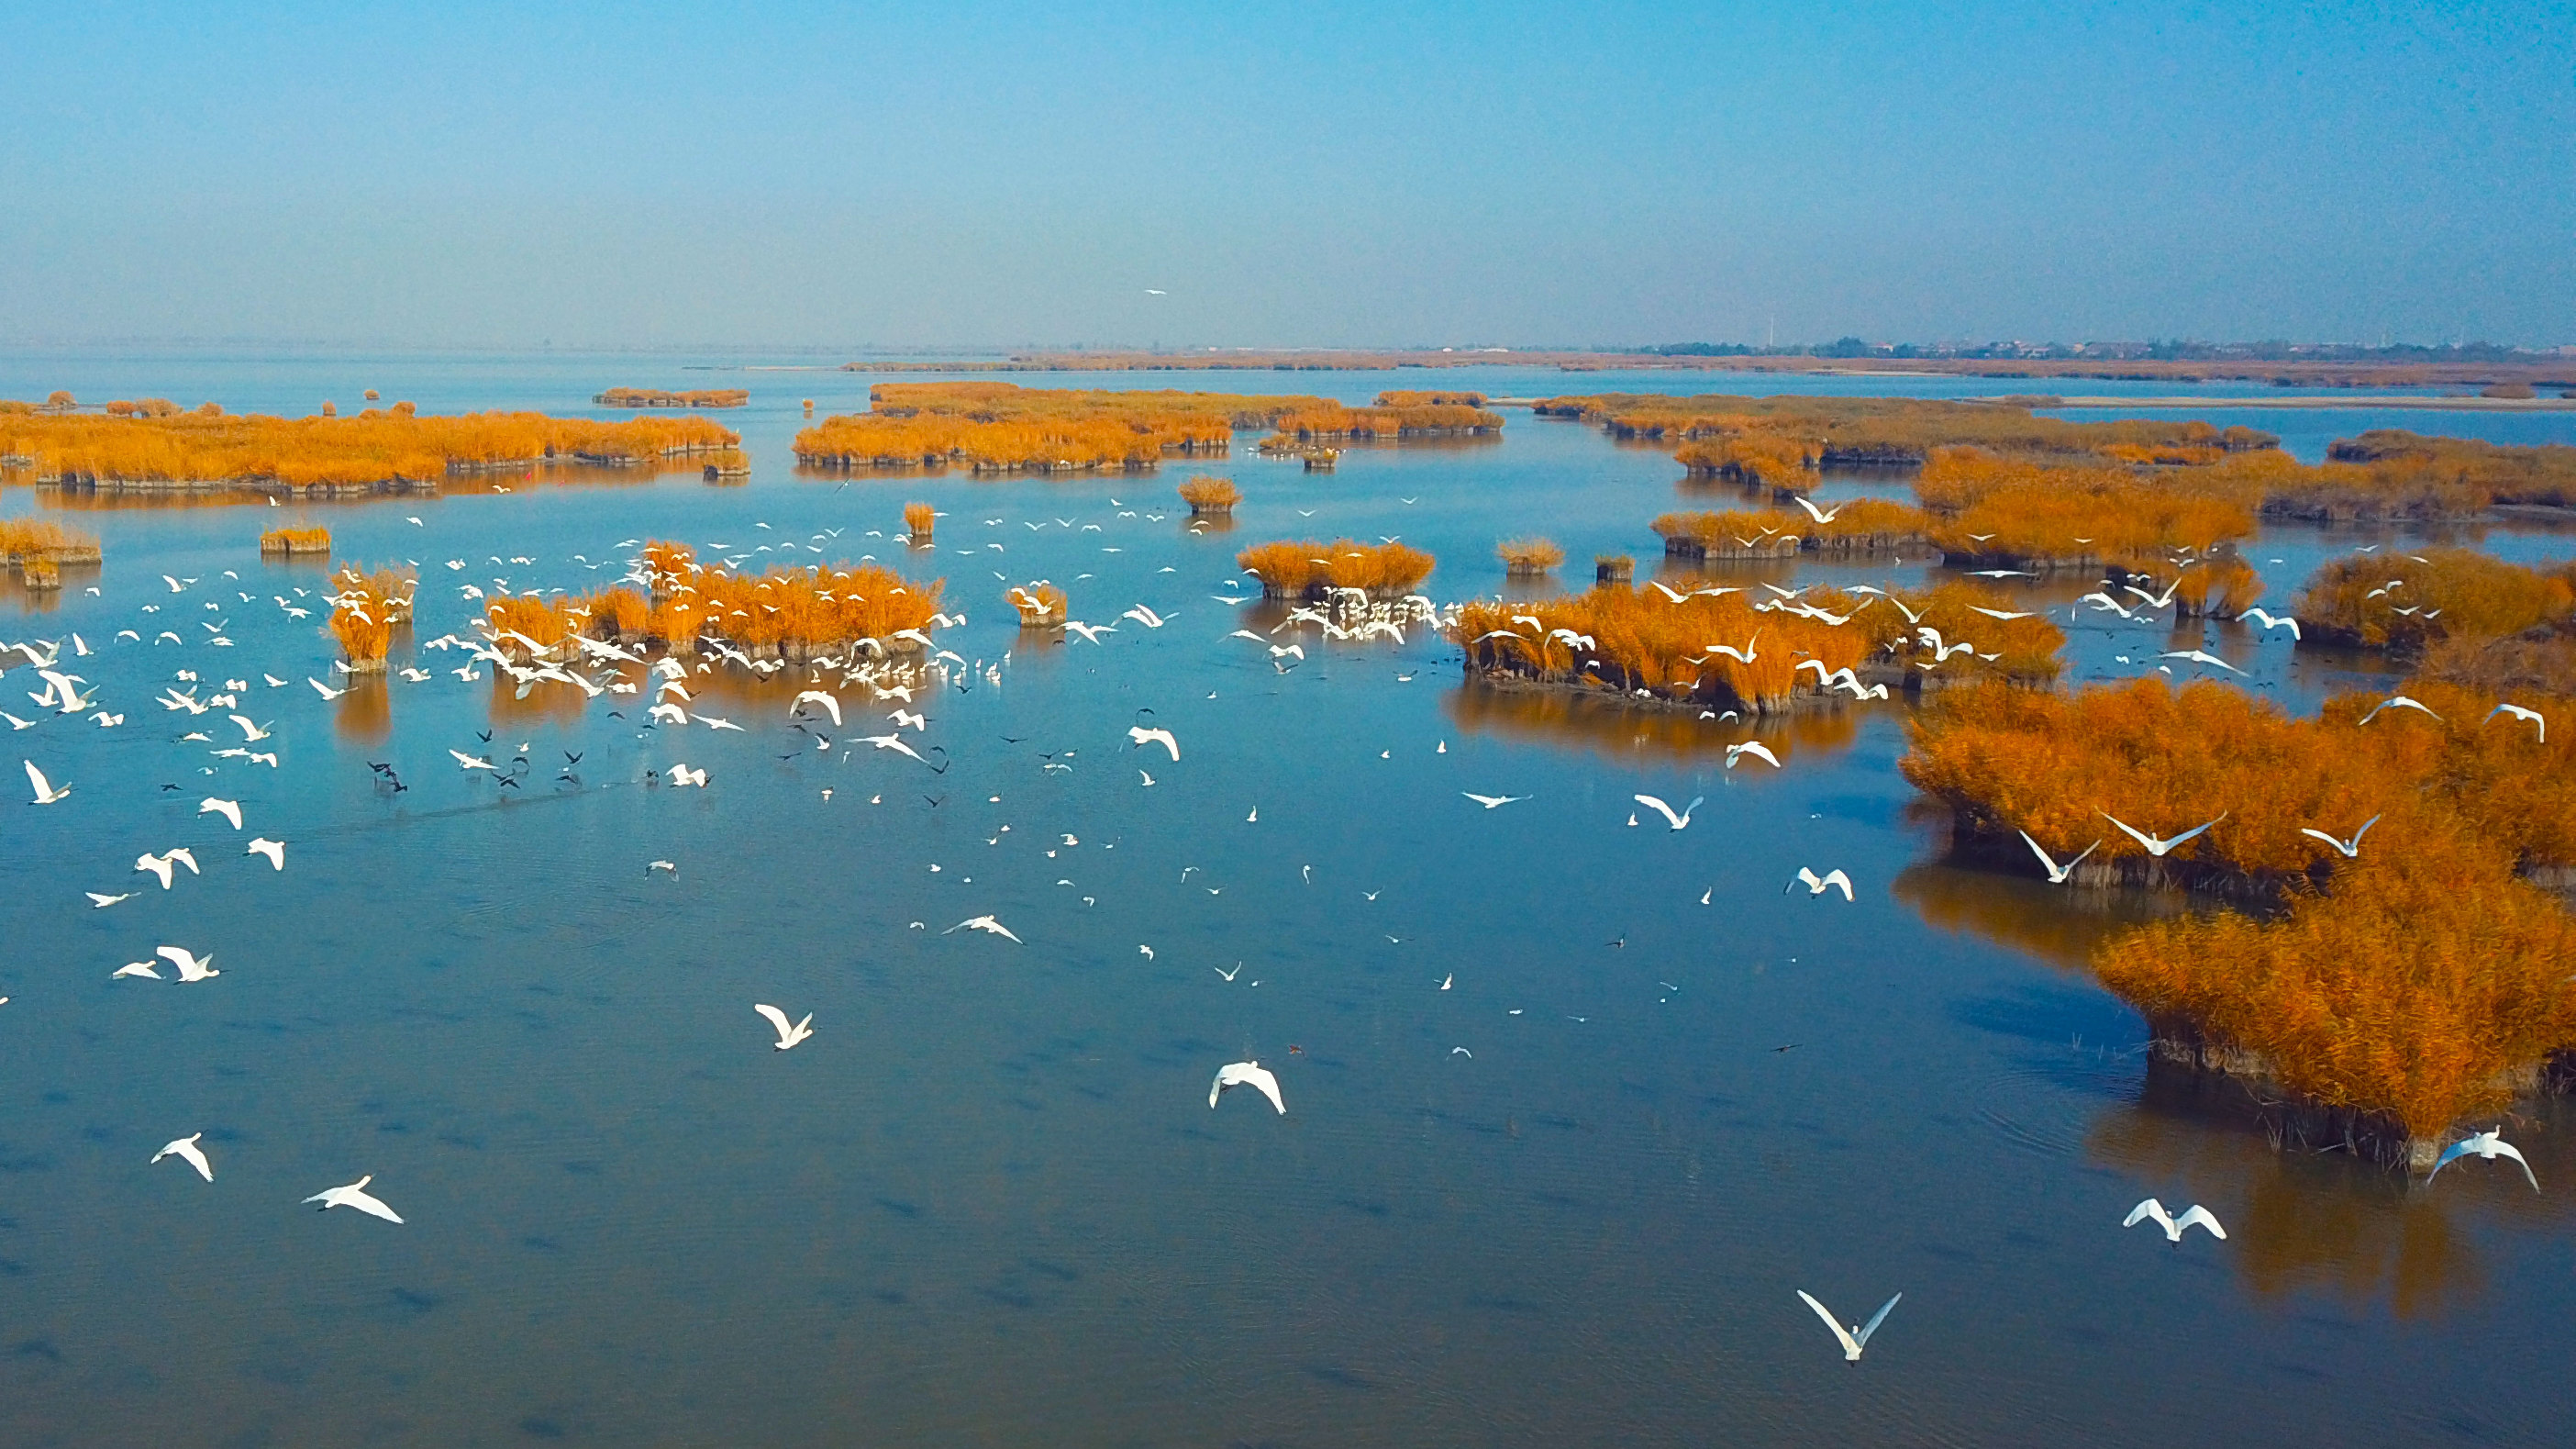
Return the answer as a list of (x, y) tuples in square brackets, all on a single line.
[(2057, 874), (1491, 802), (1142, 737), (187, 1151), (103, 902), (1853, 1340), (1090, 632), (891, 742), (1246, 1074), (1678, 822), (2273, 621), (470, 763), (252, 734), (355, 1194), (1817, 884), (46, 794), (2154, 1211), (229, 809), (160, 865), (986, 924), (1144, 616), (192, 967), (275, 850), (2156, 847), (2518, 712), (2396, 701), (2488, 1145), (2203, 657), (1821, 515), (788, 1036), (682, 775), (829, 705), (2350, 848), (136, 968), (324, 690), (1756, 749)]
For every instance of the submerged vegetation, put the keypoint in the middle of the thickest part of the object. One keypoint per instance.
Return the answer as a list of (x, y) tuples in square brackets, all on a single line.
[(1299, 569), (385, 450)]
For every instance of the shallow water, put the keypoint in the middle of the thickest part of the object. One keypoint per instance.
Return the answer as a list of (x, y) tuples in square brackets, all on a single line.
[(987, 1203)]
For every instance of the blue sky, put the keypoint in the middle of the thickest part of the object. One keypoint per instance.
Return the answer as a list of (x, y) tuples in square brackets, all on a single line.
[(1301, 175)]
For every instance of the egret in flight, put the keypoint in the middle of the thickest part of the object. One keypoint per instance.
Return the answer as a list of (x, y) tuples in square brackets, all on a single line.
[(186, 1150), (788, 1036), (1246, 1074), (2154, 1212), (1678, 822), (1853, 1340), (355, 1195), (2057, 874), (2488, 1145), (2155, 846)]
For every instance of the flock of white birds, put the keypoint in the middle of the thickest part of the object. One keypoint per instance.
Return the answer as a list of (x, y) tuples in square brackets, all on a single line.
[(885, 675)]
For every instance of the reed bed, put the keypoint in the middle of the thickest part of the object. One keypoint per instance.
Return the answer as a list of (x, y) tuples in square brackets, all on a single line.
[(784, 613), (921, 520), (1781, 461), (1404, 398), (2418, 988), (26, 540), (1643, 644), (1613, 568), (294, 542), (1325, 421), (1733, 534), (1297, 569), (375, 447), (1529, 558), (535, 627), (996, 427), (618, 613), (1210, 497), (1041, 605), (649, 397), (43, 575), (726, 464), (1848, 430), (2404, 602), (2544, 475), (2001, 512)]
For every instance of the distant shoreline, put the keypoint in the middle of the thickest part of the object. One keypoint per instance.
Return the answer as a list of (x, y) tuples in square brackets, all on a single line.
[(2304, 400)]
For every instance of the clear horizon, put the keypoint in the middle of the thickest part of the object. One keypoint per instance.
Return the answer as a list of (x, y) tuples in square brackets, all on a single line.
[(1150, 176)]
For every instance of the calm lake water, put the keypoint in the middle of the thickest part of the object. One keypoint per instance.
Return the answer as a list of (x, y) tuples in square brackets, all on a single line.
[(1567, 1201)]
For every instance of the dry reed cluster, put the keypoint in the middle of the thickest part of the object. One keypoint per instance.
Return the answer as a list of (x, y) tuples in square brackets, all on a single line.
[(2419, 981), (1863, 525), (1866, 431), (920, 519), (1210, 496), (647, 397), (1628, 640), (2007, 512), (791, 613), (293, 541), (1297, 569), (376, 446), (365, 608), (1529, 558), (2542, 475), (25, 540), (2404, 601), (1041, 605)]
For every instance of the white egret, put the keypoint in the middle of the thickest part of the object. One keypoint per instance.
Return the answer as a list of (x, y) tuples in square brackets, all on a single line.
[(187, 1151), (2349, 848), (275, 850), (2154, 1211), (2156, 847), (1141, 737), (46, 794), (355, 1195), (829, 705), (103, 902), (1678, 822), (2273, 621), (2488, 1145), (985, 924), (192, 967), (229, 809), (2057, 874), (1818, 884), (788, 1036), (2396, 701), (1756, 749), (1493, 802), (160, 865), (2520, 713), (1246, 1074), (1853, 1340)]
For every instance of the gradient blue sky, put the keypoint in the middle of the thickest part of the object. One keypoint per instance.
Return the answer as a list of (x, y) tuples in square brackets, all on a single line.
[(1292, 174)]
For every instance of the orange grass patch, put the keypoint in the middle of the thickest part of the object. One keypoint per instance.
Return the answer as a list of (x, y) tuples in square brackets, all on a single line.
[(995, 427), (23, 539), (295, 540), (1529, 557), (649, 397), (1041, 605), (1292, 568), (365, 607), (2392, 600), (1206, 494), (921, 519), (2018, 514), (2541, 475), (373, 447)]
